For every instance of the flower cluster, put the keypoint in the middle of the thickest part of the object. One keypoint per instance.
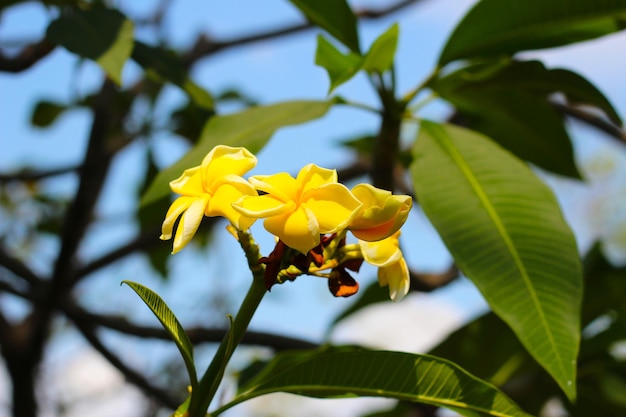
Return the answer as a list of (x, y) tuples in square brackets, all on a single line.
[(310, 216)]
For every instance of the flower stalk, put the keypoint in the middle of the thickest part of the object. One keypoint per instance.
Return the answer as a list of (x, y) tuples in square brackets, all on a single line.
[(210, 381)]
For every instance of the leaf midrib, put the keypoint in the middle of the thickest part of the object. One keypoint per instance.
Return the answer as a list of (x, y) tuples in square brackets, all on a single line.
[(482, 196), (363, 392)]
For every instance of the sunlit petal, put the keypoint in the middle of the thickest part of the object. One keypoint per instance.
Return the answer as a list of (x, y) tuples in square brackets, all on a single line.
[(333, 205), (178, 206), (312, 176), (189, 222), (281, 186), (383, 252), (224, 160), (396, 275), (189, 183), (298, 230), (381, 215), (262, 206), (221, 204)]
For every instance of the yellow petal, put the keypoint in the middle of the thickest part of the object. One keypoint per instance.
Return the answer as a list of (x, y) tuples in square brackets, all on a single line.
[(381, 215), (189, 183), (189, 222), (263, 206), (178, 206), (312, 176), (221, 203), (333, 205), (281, 186), (396, 275), (224, 160), (298, 230), (383, 252)]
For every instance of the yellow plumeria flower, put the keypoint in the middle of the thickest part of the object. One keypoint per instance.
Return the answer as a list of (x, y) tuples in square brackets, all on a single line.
[(392, 268), (381, 215), (297, 210), (209, 190)]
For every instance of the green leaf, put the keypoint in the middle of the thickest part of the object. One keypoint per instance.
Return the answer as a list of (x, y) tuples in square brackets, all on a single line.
[(340, 67), (171, 324), (335, 17), (348, 372), (46, 112), (165, 65), (509, 103), (506, 233), (496, 361), (382, 52), (102, 35), (251, 128), (495, 27), (534, 77)]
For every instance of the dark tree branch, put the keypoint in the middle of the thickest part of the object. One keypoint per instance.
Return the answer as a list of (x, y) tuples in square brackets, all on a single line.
[(29, 56), (93, 174), (196, 334), (10, 289), (159, 394), (27, 175), (18, 268), (205, 46), (599, 123), (429, 282), (144, 241)]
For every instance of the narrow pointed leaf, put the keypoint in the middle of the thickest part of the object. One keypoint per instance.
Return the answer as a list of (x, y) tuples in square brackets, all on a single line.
[(505, 231), (339, 66), (171, 324), (380, 56), (335, 17), (251, 128), (495, 27), (102, 35), (349, 372)]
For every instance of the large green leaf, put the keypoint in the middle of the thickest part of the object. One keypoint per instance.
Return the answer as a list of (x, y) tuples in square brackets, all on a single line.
[(251, 128), (494, 27), (509, 102), (349, 372), (102, 35), (334, 16), (163, 64), (171, 324), (505, 231)]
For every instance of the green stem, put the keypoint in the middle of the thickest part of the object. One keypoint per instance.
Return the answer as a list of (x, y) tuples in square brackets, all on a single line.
[(413, 93), (212, 378)]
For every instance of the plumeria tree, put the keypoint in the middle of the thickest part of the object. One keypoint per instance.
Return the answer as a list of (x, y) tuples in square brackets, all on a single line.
[(475, 175)]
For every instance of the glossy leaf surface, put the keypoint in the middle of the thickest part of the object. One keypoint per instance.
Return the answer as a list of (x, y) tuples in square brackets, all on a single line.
[(505, 230), (509, 102), (496, 27), (349, 372), (171, 324)]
